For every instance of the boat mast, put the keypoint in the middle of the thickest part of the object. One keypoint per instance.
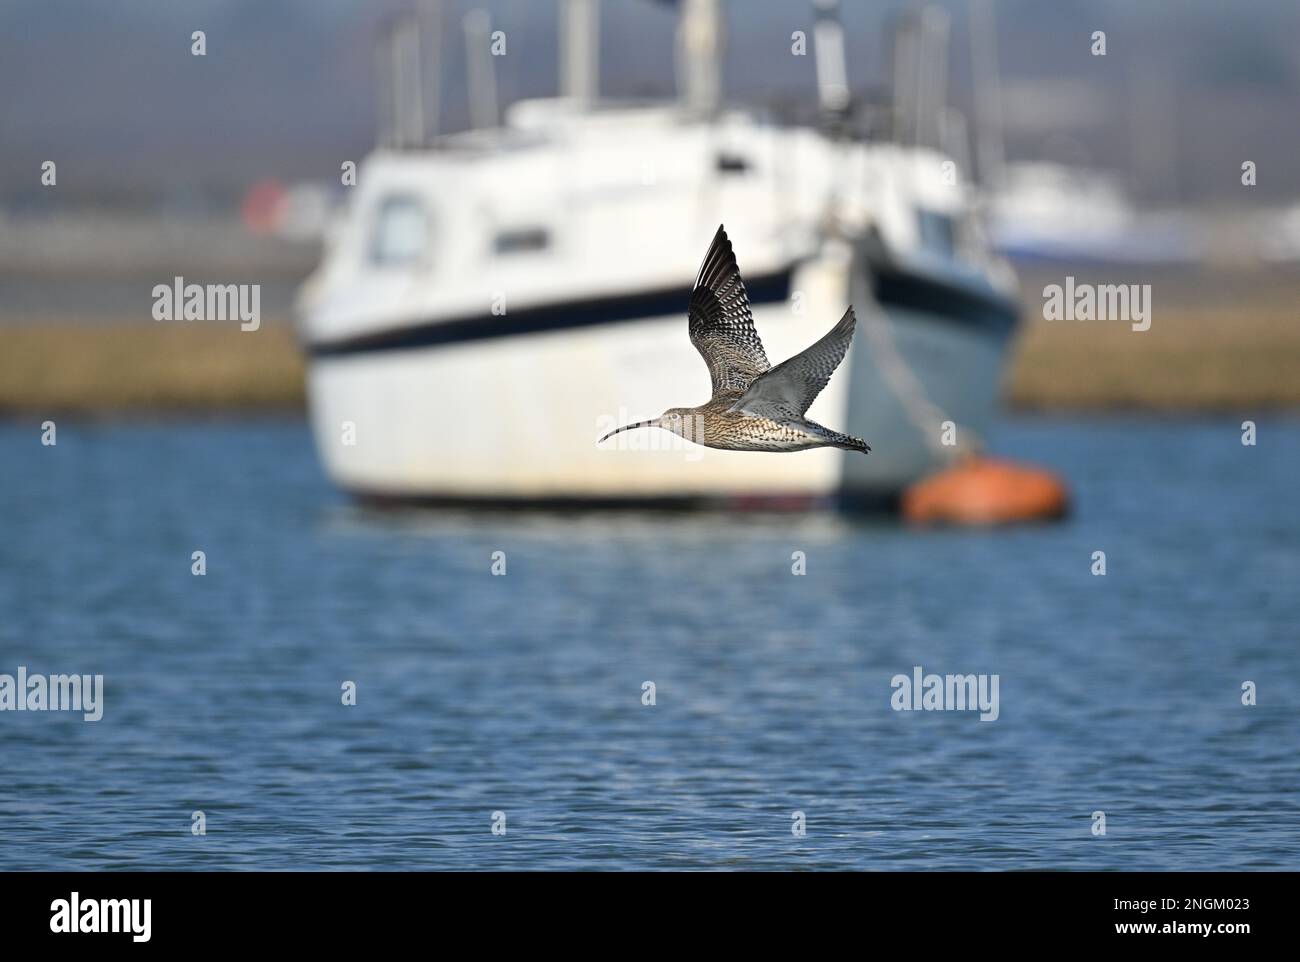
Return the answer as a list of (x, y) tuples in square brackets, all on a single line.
[(431, 28), (828, 52), (990, 151), (401, 103), (580, 51), (481, 77), (920, 71), (699, 55)]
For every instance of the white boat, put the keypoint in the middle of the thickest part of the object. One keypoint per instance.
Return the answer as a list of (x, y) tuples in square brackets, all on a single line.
[(495, 302), (1050, 212)]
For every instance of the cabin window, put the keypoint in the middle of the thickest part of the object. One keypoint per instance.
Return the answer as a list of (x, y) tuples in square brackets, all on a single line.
[(401, 231), (521, 240), (732, 163), (938, 232)]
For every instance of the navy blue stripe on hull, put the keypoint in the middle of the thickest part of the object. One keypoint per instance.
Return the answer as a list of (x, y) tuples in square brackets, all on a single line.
[(570, 315), (892, 287), (882, 501), (986, 309)]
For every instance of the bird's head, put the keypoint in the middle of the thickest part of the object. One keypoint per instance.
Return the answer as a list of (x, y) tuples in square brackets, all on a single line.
[(680, 421)]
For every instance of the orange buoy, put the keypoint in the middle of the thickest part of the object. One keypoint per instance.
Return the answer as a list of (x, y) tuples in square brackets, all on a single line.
[(987, 491)]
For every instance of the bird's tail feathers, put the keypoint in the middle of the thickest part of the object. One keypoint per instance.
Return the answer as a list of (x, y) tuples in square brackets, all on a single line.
[(850, 443)]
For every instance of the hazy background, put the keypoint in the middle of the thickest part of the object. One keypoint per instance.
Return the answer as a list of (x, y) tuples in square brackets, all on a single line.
[(1188, 89), (168, 164)]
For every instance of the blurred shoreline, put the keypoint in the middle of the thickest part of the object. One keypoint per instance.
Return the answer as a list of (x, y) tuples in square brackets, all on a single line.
[(131, 368), (1221, 340)]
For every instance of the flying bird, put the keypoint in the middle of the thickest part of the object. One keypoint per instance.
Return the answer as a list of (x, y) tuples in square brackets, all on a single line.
[(755, 407)]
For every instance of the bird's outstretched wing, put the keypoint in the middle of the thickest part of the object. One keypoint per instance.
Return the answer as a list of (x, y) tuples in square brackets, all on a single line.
[(721, 324), (788, 389)]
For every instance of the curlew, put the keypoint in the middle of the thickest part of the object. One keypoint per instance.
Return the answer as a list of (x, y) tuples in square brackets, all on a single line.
[(754, 407)]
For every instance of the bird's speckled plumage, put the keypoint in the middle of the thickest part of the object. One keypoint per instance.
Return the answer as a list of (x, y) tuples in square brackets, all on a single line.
[(755, 407)]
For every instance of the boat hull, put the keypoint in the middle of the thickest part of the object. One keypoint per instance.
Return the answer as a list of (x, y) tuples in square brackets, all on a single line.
[(514, 419)]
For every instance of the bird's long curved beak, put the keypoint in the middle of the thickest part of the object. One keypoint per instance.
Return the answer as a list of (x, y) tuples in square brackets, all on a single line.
[(628, 427)]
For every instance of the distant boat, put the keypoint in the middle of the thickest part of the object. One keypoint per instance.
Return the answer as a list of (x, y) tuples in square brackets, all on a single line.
[(498, 299), (1052, 212), (1277, 235)]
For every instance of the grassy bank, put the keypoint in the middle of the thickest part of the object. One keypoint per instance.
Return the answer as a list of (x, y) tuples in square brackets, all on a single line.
[(1207, 356), (1224, 350), (108, 368)]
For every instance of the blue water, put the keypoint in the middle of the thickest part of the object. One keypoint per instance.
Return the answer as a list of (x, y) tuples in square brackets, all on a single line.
[(522, 693)]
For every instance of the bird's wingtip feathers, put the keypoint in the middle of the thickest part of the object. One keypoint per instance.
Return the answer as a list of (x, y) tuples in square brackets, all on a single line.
[(719, 262), (845, 324)]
